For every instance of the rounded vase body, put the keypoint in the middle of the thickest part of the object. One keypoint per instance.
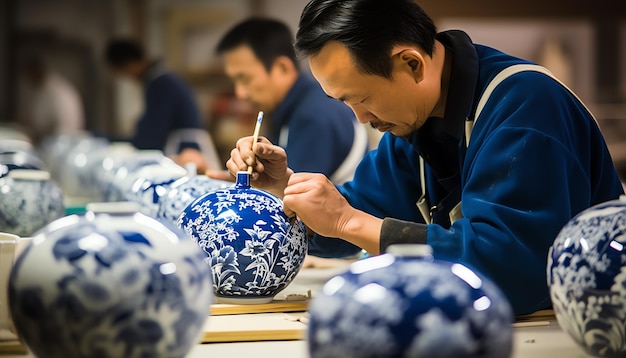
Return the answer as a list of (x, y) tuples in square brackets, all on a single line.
[(406, 304), (255, 250), (110, 283), (29, 200), (587, 278)]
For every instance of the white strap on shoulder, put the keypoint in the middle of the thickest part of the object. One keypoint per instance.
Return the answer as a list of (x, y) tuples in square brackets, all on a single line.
[(504, 74)]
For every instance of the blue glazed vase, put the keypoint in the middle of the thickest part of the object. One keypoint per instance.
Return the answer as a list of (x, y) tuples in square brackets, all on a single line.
[(183, 192), (110, 283), (587, 277), (406, 304), (253, 248), (29, 200)]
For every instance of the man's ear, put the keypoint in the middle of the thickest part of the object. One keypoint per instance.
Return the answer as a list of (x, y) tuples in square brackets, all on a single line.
[(409, 61), (283, 65)]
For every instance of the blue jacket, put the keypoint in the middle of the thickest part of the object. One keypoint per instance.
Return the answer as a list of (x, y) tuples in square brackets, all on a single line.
[(169, 105), (320, 129), (536, 158)]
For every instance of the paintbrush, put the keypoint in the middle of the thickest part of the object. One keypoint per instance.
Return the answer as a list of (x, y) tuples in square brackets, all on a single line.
[(255, 136)]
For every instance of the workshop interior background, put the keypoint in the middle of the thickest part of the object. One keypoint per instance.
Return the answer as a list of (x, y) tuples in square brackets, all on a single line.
[(582, 42)]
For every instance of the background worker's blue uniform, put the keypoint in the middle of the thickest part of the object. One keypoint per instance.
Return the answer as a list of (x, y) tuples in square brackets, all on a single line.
[(169, 105), (317, 132)]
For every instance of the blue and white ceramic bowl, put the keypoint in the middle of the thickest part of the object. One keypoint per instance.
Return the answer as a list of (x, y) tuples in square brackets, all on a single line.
[(406, 304), (110, 283), (254, 249), (29, 200), (587, 279), (183, 192)]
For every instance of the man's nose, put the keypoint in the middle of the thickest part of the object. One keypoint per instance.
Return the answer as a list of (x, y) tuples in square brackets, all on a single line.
[(363, 116)]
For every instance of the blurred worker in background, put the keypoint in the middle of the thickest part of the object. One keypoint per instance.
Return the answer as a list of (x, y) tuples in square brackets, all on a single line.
[(318, 133), (48, 103), (171, 121)]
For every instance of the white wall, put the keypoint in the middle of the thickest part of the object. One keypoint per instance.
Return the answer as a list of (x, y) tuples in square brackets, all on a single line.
[(527, 39)]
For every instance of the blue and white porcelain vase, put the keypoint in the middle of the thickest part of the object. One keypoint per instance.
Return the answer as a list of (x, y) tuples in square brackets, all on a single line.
[(110, 283), (183, 192), (587, 278), (151, 186), (76, 169), (29, 200), (406, 304), (255, 251), (122, 173)]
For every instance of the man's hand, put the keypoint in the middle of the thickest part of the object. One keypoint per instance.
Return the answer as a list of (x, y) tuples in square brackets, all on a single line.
[(318, 203), (268, 161), (190, 155)]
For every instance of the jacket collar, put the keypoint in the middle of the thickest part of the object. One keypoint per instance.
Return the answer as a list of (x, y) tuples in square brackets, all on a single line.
[(441, 141), (283, 111)]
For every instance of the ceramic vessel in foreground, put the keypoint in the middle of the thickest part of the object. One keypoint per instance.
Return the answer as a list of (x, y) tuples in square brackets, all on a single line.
[(110, 283), (406, 304)]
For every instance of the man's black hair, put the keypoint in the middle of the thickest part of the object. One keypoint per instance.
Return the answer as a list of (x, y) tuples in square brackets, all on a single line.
[(122, 51), (368, 28), (268, 39)]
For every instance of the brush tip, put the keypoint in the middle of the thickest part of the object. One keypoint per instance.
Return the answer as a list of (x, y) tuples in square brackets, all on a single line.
[(259, 118)]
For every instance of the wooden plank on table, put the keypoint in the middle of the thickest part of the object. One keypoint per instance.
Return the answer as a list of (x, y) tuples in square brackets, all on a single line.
[(277, 306), (541, 315), (255, 327), (12, 347)]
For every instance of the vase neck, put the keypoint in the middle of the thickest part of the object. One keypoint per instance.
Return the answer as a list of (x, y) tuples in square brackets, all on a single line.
[(243, 180)]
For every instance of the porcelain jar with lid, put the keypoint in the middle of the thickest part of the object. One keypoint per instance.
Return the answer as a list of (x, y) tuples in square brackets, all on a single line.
[(110, 283), (255, 250), (406, 304), (29, 200), (587, 278)]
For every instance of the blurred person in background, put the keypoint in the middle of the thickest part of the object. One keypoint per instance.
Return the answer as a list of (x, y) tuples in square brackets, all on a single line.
[(48, 103), (318, 133), (170, 111)]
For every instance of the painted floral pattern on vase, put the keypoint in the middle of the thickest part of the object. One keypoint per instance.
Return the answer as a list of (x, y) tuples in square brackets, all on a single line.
[(253, 248), (587, 278)]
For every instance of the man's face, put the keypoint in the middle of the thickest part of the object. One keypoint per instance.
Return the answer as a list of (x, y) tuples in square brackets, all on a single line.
[(252, 80), (389, 105)]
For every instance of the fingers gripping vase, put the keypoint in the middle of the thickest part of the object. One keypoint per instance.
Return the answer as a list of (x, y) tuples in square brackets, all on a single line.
[(254, 249)]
